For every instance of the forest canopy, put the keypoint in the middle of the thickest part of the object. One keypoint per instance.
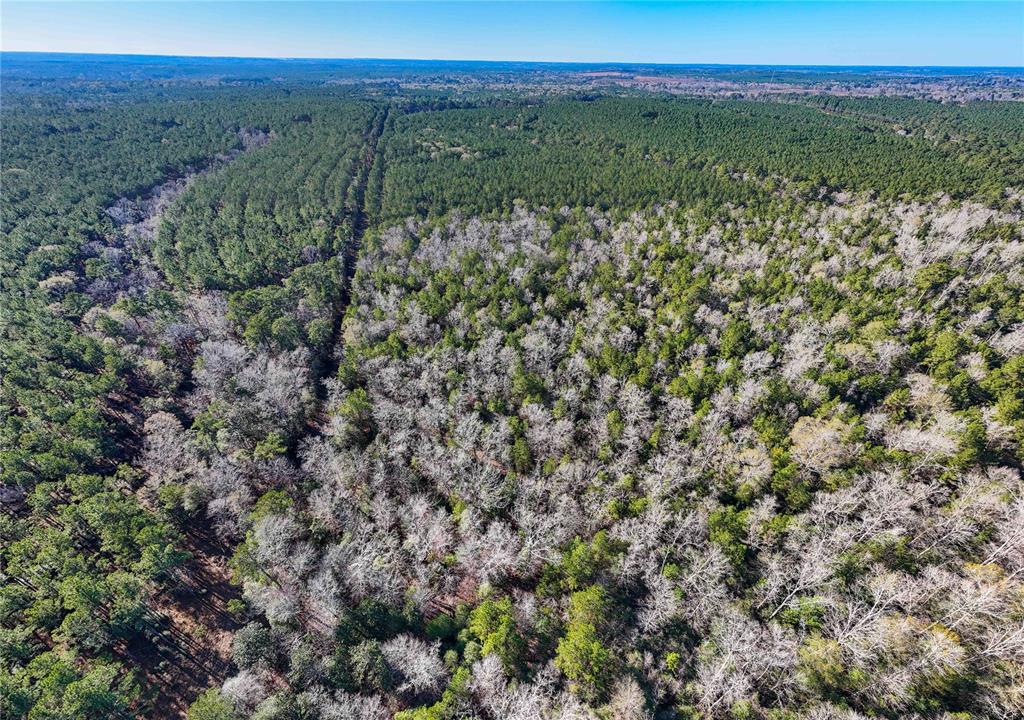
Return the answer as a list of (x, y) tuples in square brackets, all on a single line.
[(441, 392)]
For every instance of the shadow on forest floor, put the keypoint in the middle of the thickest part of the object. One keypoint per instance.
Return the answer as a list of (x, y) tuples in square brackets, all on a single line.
[(192, 650)]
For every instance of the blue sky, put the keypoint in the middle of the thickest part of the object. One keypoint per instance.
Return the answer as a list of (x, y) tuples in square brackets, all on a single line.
[(832, 33)]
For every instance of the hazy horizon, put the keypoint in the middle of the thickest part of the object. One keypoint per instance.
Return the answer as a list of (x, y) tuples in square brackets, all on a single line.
[(497, 61)]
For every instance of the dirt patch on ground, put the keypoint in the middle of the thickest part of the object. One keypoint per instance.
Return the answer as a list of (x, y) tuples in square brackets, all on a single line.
[(192, 652)]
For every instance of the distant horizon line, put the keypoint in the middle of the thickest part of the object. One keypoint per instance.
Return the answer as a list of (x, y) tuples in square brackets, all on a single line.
[(493, 60)]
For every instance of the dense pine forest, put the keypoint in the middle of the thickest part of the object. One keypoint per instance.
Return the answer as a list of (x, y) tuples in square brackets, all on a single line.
[(437, 392)]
